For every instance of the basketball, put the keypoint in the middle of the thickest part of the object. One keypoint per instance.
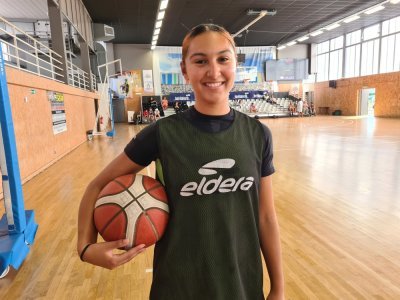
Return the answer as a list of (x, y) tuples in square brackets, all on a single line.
[(132, 207)]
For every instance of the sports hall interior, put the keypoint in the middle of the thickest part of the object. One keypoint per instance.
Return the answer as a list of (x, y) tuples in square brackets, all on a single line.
[(337, 181)]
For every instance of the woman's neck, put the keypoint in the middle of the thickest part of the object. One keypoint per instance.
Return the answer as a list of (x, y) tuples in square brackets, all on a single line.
[(217, 109)]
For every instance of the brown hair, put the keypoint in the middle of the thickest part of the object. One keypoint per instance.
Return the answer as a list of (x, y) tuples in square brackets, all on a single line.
[(199, 29)]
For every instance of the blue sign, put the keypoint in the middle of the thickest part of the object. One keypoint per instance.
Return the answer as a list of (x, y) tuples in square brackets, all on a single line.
[(246, 95), (181, 97)]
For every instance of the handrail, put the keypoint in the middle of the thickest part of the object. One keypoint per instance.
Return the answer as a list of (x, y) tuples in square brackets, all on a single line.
[(24, 33), (28, 54)]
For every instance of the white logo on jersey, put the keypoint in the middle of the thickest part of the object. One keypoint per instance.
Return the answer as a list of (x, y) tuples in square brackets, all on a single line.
[(220, 184)]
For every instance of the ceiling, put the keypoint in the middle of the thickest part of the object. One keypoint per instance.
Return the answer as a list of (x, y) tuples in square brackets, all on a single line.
[(133, 20)]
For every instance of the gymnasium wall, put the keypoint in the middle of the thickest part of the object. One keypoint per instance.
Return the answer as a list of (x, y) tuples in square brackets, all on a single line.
[(37, 146), (134, 57), (345, 96)]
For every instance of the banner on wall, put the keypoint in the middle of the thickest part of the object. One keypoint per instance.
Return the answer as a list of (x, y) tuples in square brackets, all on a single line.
[(181, 97), (246, 95), (128, 84), (57, 112), (170, 68), (148, 81), (137, 85), (124, 85), (250, 70)]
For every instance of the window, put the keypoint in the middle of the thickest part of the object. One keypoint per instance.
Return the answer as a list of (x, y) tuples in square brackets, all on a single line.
[(322, 67), (336, 43), (369, 58), (389, 59), (323, 47), (391, 26), (353, 38), (335, 64), (352, 61), (371, 32)]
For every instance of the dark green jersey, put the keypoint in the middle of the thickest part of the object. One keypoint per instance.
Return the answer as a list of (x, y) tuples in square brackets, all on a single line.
[(211, 247)]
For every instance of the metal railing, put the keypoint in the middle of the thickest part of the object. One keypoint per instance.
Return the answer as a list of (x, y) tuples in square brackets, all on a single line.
[(24, 52), (77, 77)]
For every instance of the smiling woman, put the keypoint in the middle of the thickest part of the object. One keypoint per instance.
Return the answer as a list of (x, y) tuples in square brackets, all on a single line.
[(216, 165)]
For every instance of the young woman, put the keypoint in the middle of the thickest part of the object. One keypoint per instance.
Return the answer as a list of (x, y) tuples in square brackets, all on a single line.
[(221, 204)]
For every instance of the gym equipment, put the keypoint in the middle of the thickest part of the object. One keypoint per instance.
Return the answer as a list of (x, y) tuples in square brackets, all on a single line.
[(17, 226)]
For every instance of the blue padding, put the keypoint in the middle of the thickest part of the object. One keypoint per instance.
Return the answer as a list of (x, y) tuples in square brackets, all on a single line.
[(14, 247), (31, 227), (10, 149)]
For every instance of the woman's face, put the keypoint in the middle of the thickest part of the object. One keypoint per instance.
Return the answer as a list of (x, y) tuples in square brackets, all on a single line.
[(210, 67)]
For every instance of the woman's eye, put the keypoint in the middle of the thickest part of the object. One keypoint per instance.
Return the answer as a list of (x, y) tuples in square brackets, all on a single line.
[(223, 59)]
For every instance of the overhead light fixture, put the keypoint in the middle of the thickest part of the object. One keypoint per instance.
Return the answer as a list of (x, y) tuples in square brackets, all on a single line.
[(291, 43), (333, 26), (164, 4), (281, 47), (161, 15), (352, 18), (157, 26), (303, 38), (315, 33), (374, 9), (261, 14)]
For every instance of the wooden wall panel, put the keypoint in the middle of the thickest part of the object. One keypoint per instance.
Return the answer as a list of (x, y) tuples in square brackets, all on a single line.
[(345, 96), (37, 146)]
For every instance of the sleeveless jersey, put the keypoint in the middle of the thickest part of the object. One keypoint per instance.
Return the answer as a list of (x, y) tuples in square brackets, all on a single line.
[(211, 248)]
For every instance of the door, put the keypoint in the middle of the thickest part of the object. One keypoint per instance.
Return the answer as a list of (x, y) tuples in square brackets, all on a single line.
[(366, 102), (118, 110)]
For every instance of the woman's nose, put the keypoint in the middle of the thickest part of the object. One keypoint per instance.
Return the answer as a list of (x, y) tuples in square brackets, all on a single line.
[(213, 69)]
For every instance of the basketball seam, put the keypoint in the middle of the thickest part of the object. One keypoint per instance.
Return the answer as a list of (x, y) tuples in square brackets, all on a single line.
[(113, 218), (135, 199)]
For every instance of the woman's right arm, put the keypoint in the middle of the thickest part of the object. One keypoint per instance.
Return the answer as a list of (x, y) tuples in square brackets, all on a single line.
[(102, 254)]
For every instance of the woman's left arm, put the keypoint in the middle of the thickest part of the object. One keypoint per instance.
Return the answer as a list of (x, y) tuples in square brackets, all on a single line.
[(269, 239)]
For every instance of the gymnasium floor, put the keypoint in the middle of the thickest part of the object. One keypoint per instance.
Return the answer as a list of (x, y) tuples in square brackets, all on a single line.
[(337, 193)]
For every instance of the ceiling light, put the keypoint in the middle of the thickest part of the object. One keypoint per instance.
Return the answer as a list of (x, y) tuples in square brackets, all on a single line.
[(281, 47), (352, 18), (161, 15), (164, 4), (374, 9), (291, 43), (333, 26), (153, 47), (158, 24), (156, 31), (302, 39), (315, 33)]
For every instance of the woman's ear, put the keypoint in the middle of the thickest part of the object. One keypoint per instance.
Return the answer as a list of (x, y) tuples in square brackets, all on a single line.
[(184, 73)]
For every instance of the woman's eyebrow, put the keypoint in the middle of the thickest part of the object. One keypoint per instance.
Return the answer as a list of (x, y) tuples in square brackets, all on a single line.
[(203, 54)]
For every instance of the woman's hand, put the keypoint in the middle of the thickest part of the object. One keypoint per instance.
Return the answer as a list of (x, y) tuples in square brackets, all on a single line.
[(102, 254)]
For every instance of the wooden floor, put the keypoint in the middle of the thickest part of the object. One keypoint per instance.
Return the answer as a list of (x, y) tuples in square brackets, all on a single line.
[(337, 193)]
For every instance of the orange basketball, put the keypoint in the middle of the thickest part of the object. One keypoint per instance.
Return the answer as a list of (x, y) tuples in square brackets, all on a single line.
[(132, 207)]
